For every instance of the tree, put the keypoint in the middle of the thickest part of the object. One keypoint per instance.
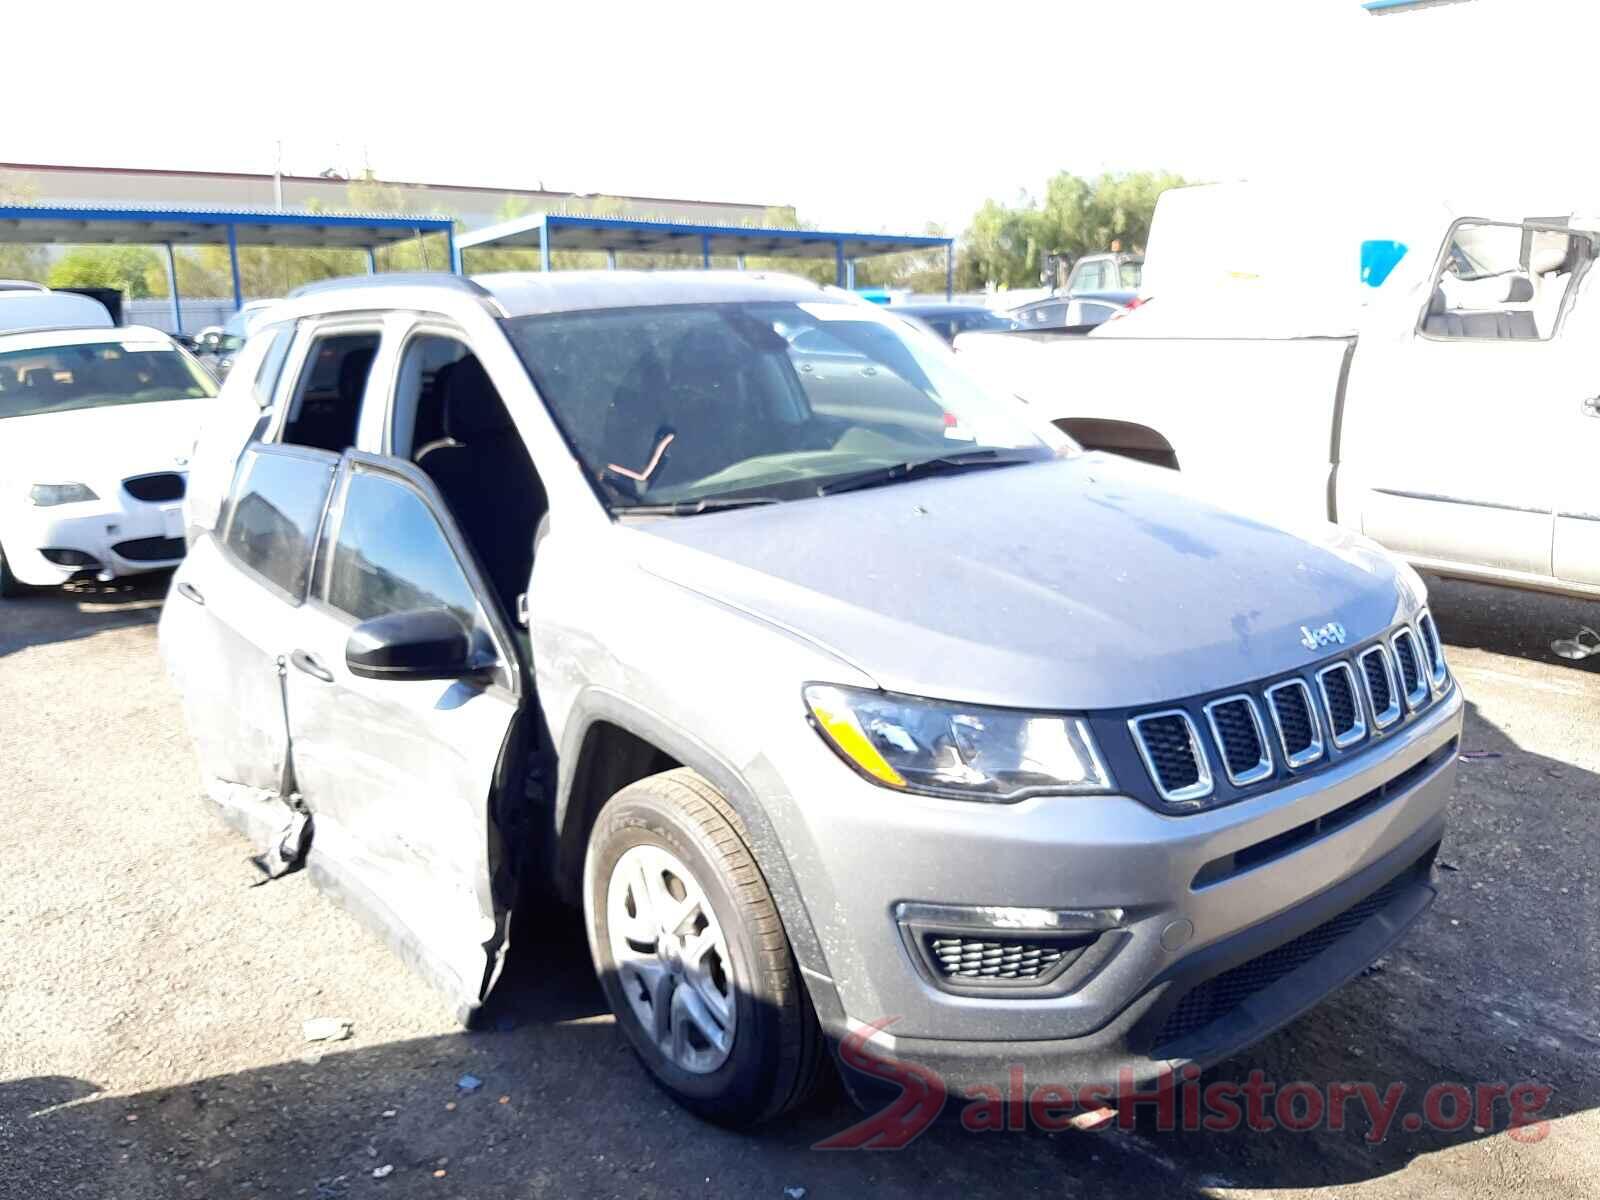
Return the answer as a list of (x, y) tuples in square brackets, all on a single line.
[(128, 269), (1005, 245)]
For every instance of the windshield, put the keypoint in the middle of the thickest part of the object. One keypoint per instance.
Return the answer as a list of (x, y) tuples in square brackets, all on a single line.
[(684, 403), (58, 378)]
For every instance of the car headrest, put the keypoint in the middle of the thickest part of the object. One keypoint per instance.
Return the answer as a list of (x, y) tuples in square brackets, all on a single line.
[(1436, 303), (471, 405), (1546, 258), (1519, 290), (353, 372)]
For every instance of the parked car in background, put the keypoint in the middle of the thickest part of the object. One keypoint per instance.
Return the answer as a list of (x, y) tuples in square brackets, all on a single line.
[(217, 345), (1451, 413), (579, 585), (29, 306), (96, 429), (1081, 313), (947, 320), (1108, 272)]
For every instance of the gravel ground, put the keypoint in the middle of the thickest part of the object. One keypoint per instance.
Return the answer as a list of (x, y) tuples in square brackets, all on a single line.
[(150, 1018)]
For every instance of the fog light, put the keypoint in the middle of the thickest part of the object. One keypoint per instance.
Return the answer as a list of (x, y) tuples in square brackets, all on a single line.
[(70, 558)]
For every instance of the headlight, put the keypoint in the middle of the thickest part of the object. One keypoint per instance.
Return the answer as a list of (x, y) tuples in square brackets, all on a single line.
[(46, 495), (957, 750)]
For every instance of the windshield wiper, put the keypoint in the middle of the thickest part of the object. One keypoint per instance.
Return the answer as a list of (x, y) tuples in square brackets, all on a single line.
[(691, 508), (878, 476)]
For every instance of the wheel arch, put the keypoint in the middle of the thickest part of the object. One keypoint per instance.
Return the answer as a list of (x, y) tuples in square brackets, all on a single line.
[(1130, 439), (610, 742)]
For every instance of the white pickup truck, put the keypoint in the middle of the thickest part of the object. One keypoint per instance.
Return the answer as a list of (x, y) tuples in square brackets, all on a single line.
[(1454, 416)]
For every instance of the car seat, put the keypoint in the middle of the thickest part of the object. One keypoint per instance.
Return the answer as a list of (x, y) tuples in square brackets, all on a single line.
[(487, 479)]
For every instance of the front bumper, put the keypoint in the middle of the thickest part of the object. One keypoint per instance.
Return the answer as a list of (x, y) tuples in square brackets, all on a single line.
[(122, 536), (1112, 857)]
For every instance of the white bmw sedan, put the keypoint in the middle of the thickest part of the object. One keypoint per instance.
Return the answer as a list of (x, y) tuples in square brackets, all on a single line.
[(96, 429)]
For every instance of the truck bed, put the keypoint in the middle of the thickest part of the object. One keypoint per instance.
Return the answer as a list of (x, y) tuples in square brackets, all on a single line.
[(1271, 448)]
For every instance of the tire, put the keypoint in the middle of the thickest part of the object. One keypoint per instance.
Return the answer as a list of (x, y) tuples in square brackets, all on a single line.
[(10, 586), (773, 1056)]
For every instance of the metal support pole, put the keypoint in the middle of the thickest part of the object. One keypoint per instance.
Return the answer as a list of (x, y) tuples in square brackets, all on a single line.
[(741, 262), (949, 270), (233, 266), (172, 289), (838, 264), (372, 261), (850, 273), (611, 260), (453, 254), (705, 252), (544, 249)]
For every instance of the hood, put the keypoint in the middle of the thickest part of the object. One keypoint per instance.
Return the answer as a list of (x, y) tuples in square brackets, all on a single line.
[(88, 444), (1089, 582)]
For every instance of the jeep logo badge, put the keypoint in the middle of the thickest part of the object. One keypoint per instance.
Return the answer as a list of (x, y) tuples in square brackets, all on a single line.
[(1330, 634)]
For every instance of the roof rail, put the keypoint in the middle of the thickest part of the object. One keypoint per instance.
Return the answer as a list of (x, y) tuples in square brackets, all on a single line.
[(457, 283)]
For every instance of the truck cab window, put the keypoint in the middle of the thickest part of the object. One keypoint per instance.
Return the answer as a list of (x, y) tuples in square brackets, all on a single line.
[(1503, 281), (326, 407)]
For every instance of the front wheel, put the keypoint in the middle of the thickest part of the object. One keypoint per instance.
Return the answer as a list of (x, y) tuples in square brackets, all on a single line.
[(688, 945)]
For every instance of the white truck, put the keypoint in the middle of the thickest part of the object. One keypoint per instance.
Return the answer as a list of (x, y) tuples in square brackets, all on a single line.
[(1452, 414)]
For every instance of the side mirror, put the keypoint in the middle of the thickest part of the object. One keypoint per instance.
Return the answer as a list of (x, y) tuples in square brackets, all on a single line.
[(425, 643)]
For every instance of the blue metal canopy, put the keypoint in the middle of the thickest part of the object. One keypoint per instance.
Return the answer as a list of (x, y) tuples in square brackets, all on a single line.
[(235, 227), (548, 232)]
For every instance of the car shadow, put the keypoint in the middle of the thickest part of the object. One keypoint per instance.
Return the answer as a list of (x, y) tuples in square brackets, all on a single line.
[(1511, 621), (1495, 985), (80, 610)]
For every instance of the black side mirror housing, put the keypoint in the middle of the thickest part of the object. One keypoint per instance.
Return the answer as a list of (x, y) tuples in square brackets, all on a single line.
[(425, 643)]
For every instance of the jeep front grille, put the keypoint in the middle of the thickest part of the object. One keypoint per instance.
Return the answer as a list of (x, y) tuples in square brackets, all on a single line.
[(1341, 704), (1432, 650), (1299, 731), (1384, 696), (1170, 746), (1412, 681), (1237, 727), (1205, 751)]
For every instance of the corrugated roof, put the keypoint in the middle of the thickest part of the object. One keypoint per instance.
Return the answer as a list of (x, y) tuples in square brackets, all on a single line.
[(157, 224)]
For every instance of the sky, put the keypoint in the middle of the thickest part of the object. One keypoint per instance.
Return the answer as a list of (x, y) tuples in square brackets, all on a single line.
[(876, 114)]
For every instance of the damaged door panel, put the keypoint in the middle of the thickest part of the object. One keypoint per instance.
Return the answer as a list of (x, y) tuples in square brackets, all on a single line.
[(398, 772), (224, 632)]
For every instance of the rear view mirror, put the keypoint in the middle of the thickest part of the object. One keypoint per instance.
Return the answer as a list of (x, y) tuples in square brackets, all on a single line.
[(426, 643)]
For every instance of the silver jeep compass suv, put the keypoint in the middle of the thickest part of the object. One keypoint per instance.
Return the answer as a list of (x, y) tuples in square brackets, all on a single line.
[(838, 694)]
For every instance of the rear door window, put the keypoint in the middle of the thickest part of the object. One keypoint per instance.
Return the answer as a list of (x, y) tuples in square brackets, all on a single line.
[(278, 500), (326, 409)]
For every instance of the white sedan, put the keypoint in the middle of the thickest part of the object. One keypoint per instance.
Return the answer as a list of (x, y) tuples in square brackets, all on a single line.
[(96, 429)]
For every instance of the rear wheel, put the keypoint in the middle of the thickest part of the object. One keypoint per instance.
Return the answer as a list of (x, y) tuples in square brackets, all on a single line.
[(692, 955)]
